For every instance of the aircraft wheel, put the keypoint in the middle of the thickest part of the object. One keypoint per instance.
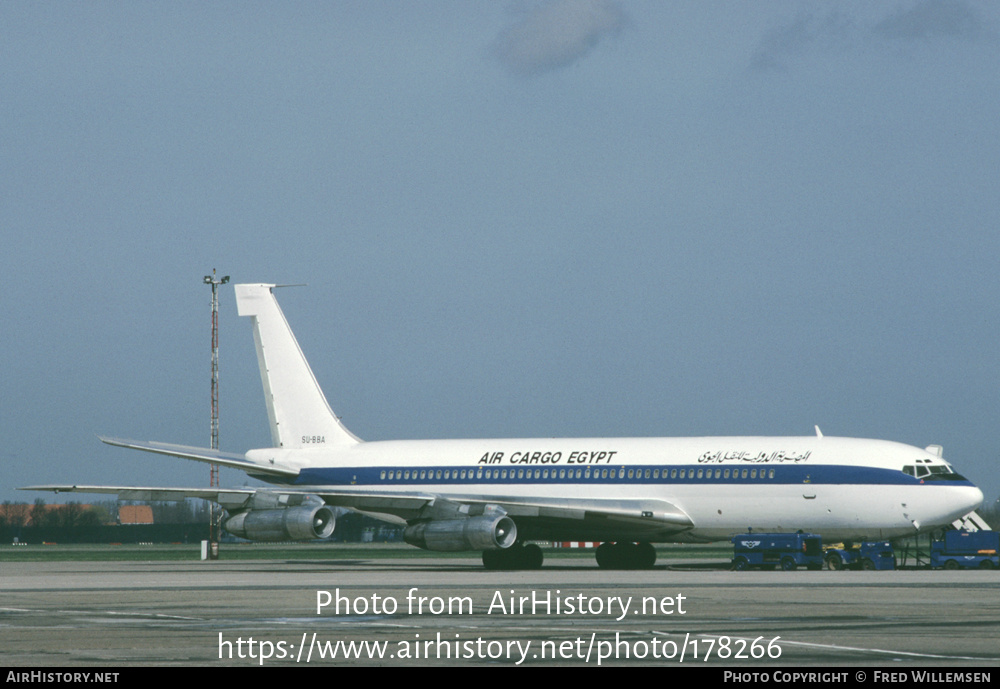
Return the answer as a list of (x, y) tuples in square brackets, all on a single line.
[(613, 555), (834, 561), (605, 555), (646, 556), (493, 559), (788, 564), (741, 564), (532, 557), (516, 557), (626, 556)]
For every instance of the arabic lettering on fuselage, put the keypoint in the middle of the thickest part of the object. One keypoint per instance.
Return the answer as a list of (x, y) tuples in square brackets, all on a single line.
[(752, 457)]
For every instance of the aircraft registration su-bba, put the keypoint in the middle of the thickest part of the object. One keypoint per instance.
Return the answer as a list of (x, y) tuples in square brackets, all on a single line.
[(498, 496)]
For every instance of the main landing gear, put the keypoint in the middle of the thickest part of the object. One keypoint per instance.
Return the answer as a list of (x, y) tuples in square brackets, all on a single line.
[(609, 556), (517, 556), (626, 556)]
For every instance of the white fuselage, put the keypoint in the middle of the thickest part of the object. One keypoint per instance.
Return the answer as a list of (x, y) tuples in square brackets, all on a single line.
[(842, 488)]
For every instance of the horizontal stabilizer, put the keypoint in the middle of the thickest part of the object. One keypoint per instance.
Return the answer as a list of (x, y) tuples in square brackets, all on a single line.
[(204, 454)]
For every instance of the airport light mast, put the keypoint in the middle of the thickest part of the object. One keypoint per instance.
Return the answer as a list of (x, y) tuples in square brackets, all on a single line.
[(213, 482)]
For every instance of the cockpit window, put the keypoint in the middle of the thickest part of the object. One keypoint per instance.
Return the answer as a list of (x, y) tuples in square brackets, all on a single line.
[(933, 472)]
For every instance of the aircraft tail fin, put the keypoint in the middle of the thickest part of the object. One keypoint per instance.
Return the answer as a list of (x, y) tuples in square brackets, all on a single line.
[(298, 411)]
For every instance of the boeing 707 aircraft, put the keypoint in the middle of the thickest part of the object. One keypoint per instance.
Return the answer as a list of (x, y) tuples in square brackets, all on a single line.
[(496, 496)]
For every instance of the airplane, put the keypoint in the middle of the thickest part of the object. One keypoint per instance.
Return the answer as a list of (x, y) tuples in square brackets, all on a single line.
[(500, 496)]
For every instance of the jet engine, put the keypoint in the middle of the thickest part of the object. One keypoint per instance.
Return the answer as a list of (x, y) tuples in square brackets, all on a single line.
[(471, 533), (283, 518)]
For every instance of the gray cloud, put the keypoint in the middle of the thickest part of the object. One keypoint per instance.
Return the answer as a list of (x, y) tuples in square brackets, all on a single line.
[(935, 18), (833, 32), (557, 33), (829, 32)]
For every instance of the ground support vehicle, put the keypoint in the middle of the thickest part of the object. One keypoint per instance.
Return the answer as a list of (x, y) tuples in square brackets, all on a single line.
[(966, 550), (769, 550), (865, 555)]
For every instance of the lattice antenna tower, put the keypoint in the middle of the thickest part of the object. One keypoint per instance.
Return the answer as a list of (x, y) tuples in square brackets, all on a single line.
[(213, 480)]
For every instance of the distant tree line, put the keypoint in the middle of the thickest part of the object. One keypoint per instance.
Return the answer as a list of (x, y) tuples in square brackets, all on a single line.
[(173, 522), (74, 514)]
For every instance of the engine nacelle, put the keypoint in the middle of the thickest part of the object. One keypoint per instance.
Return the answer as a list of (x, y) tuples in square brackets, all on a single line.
[(294, 523), (472, 533)]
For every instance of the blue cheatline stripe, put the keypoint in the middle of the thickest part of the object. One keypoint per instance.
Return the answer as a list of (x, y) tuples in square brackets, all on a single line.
[(616, 475)]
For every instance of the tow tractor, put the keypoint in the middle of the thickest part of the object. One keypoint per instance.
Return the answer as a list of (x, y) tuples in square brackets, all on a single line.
[(770, 550), (868, 555)]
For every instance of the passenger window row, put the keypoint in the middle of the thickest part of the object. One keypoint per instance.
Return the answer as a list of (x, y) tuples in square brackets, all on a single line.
[(577, 474)]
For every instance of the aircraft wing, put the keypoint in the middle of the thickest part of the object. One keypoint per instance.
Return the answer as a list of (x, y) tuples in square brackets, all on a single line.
[(542, 518), (204, 454), (230, 498), (549, 518)]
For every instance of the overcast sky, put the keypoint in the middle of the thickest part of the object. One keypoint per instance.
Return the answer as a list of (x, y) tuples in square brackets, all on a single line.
[(567, 218)]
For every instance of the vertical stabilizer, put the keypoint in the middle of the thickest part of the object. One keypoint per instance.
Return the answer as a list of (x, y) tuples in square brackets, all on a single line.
[(299, 413)]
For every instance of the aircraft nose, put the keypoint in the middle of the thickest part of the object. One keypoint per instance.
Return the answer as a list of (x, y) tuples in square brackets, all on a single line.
[(976, 498), (967, 499)]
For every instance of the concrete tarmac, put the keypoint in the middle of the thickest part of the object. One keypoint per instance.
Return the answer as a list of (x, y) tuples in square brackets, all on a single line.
[(418, 612)]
